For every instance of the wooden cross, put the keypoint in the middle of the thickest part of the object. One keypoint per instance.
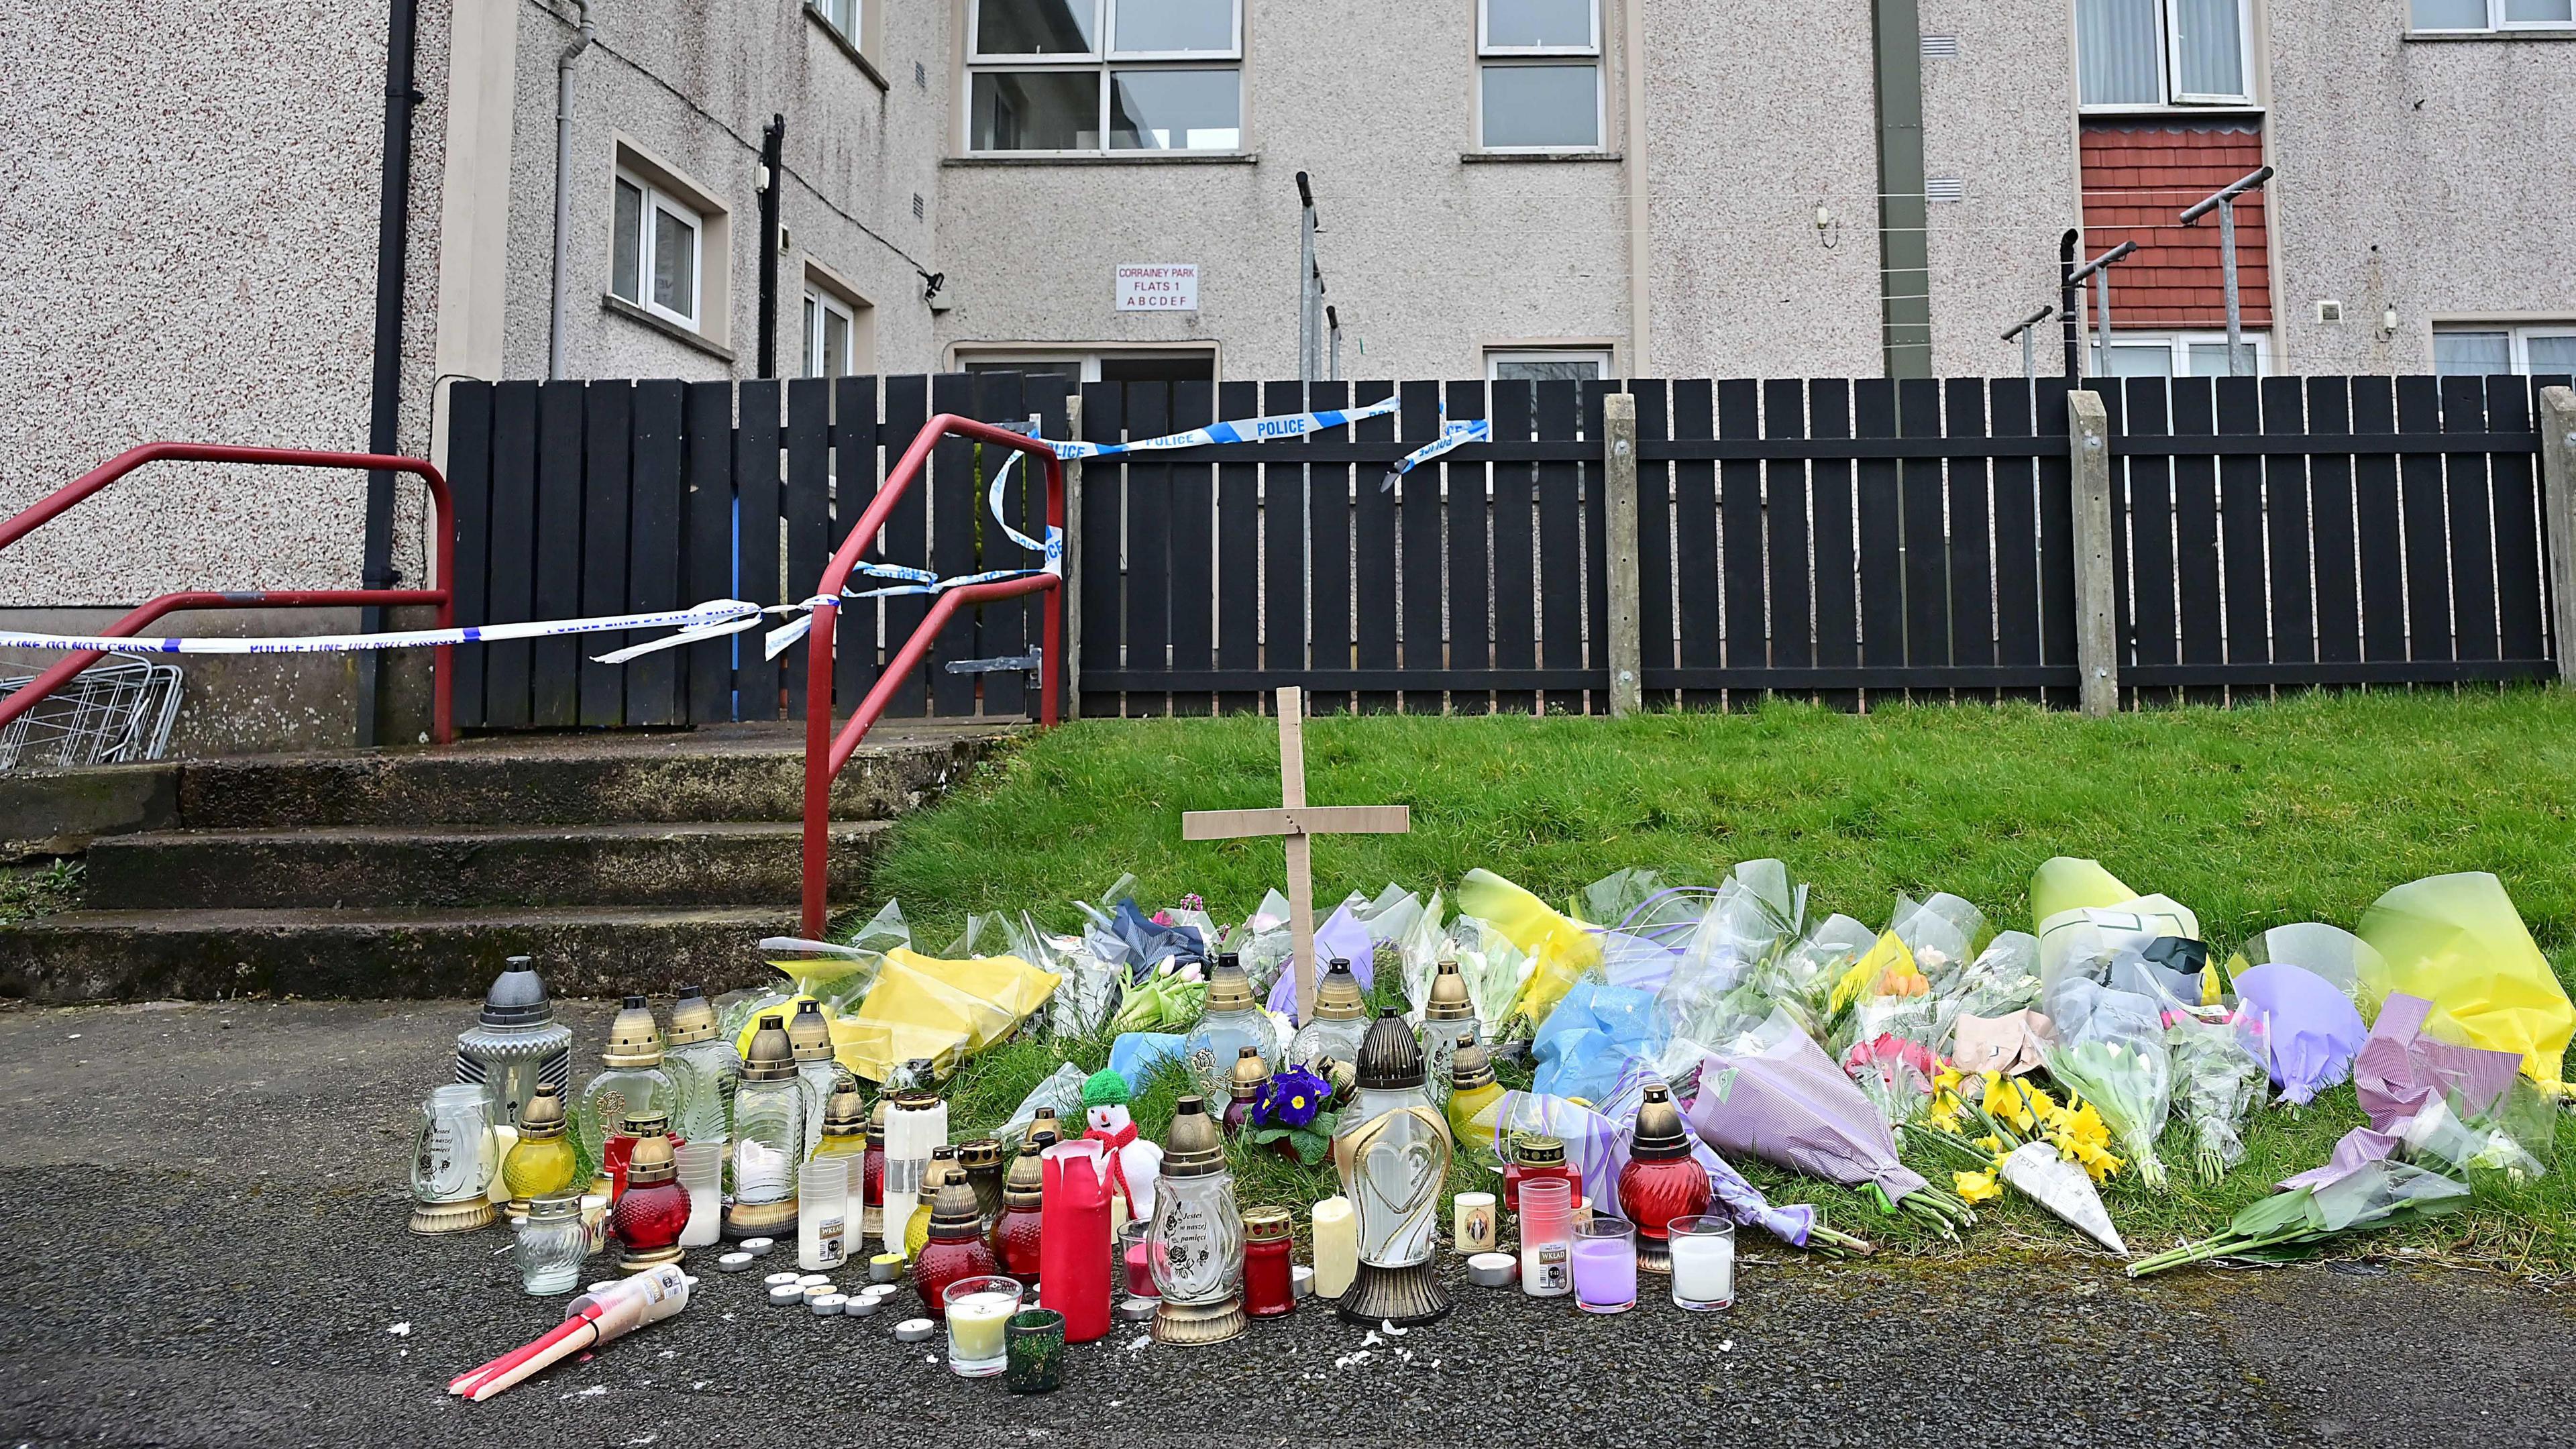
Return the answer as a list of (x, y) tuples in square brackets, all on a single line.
[(1299, 822)]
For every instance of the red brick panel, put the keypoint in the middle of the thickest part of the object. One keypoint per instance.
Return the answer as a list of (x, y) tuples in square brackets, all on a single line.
[(2138, 178)]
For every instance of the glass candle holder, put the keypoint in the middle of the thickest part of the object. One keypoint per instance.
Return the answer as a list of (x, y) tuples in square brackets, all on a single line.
[(1269, 1269), (1547, 1238), (702, 1173), (551, 1245), (1703, 1263), (1033, 1350), (1133, 1270), (978, 1309), (1605, 1264), (453, 1159)]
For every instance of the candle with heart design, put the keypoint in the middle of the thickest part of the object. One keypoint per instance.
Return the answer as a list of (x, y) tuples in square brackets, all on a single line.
[(1392, 1151)]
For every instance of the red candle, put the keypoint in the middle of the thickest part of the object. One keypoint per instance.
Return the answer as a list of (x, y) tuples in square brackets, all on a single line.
[(1269, 1276), (1140, 1272)]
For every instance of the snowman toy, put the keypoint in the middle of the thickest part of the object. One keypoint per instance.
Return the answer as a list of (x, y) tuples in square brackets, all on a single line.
[(1139, 1162)]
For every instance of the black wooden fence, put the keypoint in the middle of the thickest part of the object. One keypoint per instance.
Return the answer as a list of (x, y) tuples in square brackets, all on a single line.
[(595, 498), (1845, 541)]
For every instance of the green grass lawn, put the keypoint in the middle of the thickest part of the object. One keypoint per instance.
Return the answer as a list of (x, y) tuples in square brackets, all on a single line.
[(2260, 816)]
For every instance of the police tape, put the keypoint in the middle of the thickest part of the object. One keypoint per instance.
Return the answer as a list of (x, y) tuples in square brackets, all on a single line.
[(712, 620), (1242, 430), (1453, 436)]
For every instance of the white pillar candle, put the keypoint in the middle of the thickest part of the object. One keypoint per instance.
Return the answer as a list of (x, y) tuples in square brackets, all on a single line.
[(1471, 1222), (1337, 1246)]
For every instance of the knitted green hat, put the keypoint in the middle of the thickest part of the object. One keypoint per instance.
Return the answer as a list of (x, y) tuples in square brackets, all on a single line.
[(1105, 1088)]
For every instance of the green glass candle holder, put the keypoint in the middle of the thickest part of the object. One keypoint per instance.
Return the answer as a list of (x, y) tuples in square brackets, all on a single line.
[(1033, 1348)]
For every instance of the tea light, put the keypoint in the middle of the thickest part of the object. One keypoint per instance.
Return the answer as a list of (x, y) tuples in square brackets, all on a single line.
[(786, 1295), (780, 1280), (816, 1291), (1136, 1310), (1471, 1223), (734, 1262), (828, 1305), (914, 1330), (758, 1247), (860, 1306), (885, 1267), (1302, 1280), (808, 1280), (1493, 1270)]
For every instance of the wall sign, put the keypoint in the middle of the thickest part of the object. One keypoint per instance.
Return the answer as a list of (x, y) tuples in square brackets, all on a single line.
[(1158, 286)]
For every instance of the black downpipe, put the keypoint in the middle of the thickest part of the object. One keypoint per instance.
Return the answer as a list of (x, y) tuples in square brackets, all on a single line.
[(2069, 301), (384, 412), (773, 146)]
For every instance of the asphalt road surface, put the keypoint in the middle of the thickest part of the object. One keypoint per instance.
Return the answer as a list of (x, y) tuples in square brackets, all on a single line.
[(203, 1210)]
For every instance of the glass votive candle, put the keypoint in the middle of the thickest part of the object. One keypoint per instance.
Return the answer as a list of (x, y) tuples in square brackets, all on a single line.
[(1703, 1263), (978, 1308), (1033, 1344), (551, 1245), (1134, 1270), (1605, 1264), (1547, 1210)]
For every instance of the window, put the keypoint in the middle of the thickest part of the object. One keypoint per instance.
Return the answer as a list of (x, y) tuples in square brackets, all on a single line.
[(2152, 53), (1092, 76), (1077, 365), (1538, 75), (2183, 354), (2542, 349), (841, 15), (2476, 16), (656, 252), (1584, 365), (831, 335)]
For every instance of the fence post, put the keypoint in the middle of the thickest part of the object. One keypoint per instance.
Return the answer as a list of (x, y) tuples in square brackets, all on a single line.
[(2558, 472), (1619, 497), (2088, 439), (1069, 595)]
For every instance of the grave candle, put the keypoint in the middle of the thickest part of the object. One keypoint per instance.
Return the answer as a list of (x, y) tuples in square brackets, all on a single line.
[(1337, 1246), (1703, 1263), (1605, 1265)]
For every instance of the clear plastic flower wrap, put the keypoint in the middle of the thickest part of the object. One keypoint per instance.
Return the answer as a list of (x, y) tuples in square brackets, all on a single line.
[(2219, 1080), (2111, 1051), (1263, 942), (2002, 980), (1945, 932), (1803, 977)]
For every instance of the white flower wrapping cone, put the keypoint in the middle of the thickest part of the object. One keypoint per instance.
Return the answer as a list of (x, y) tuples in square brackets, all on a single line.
[(2061, 1187)]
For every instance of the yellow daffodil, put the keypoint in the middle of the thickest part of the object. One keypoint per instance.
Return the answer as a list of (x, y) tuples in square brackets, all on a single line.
[(1947, 1079), (1975, 1187), (1991, 1143)]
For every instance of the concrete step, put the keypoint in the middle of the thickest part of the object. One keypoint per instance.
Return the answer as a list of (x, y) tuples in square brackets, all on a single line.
[(726, 773), (585, 951), (673, 865)]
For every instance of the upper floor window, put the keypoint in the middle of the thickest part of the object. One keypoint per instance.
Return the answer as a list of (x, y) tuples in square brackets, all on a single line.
[(2475, 16), (1538, 75), (655, 254), (841, 15), (1077, 76), (2146, 53), (2541, 349), (1552, 365)]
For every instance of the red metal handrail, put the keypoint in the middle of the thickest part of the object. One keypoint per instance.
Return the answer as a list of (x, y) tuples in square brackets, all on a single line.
[(53, 505), (825, 752)]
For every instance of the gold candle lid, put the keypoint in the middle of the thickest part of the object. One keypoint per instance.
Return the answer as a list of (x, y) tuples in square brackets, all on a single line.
[(651, 1161), (809, 1037), (1338, 996), (846, 1114), (771, 1059), (1251, 1073), (1193, 1147), (693, 1017), (1660, 1136), (876, 1122), (542, 1120), (634, 1038), (981, 1152), (1533, 1149), (954, 1212), (1470, 1068), (1267, 1224), (1025, 1184), (1229, 988), (1448, 1000)]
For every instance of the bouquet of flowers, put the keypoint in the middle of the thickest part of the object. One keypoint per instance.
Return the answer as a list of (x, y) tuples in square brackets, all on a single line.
[(1171, 996), (1894, 1073), (1291, 1115), (1944, 933), (2050, 1151), (2299, 1222), (1804, 976), (2111, 1052), (2219, 1079)]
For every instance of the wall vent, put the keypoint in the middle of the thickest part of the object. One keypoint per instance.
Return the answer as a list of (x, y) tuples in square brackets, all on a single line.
[(1940, 47), (1944, 188)]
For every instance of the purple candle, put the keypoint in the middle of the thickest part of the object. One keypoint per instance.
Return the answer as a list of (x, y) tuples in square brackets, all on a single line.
[(1605, 1266)]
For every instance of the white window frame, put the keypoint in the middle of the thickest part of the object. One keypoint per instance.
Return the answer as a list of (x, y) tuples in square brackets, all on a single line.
[(2518, 337), (1490, 56), (2180, 345), (858, 19), (1088, 357), (820, 302), (2169, 71), (1495, 357), (646, 242), (2496, 24), (1105, 59)]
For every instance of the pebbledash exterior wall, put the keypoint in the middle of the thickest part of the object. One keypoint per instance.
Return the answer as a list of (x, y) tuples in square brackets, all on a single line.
[(189, 227)]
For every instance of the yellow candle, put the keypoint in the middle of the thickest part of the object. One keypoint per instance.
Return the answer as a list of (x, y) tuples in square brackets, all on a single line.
[(975, 1329), (1337, 1246)]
